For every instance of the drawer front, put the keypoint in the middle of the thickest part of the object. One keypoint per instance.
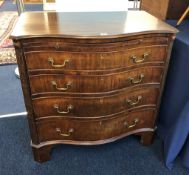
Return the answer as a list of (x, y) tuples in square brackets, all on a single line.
[(82, 45), (94, 83), (95, 107), (73, 129), (95, 61)]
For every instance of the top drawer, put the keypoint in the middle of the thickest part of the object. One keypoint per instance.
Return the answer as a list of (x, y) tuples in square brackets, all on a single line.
[(94, 45), (94, 60)]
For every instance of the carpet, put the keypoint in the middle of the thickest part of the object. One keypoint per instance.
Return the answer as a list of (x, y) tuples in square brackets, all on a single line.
[(7, 53), (8, 5), (124, 157), (11, 98)]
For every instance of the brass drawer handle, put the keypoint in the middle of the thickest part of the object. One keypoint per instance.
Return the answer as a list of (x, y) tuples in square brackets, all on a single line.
[(134, 102), (132, 125), (139, 60), (136, 81), (70, 131), (69, 109), (67, 86), (51, 62)]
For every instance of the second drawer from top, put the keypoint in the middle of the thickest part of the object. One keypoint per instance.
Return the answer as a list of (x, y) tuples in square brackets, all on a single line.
[(61, 83)]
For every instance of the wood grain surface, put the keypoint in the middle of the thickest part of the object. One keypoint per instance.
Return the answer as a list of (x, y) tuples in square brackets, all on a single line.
[(91, 78), (90, 25)]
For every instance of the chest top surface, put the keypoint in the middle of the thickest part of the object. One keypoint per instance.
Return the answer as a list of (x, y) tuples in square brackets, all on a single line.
[(88, 24)]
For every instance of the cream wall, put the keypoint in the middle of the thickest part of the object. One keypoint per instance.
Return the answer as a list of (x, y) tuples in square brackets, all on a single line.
[(91, 5)]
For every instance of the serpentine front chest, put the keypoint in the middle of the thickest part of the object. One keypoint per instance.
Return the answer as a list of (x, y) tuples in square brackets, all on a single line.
[(91, 78)]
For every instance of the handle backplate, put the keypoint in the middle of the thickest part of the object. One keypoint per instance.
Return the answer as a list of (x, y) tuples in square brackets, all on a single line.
[(67, 86), (128, 126), (51, 62), (134, 102), (136, 80), (70, 131), (136, 59), (69, 109)]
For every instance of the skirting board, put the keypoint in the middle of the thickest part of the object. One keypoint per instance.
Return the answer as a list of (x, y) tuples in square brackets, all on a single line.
[(14, 115)]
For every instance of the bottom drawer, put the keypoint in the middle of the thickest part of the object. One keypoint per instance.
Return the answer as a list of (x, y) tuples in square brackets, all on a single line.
[(94, 130)]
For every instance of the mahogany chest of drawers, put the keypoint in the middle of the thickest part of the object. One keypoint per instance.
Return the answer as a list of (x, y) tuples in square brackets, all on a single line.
[(91, 78)]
